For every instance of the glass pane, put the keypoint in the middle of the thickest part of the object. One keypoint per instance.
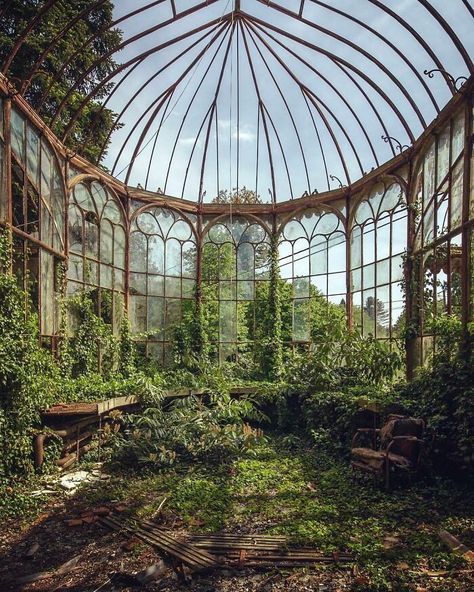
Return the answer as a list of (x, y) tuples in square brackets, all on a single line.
[(156, 285), (138, 283), (138, 314), (33, 154), (138, 251), (47, 293), (18, 134)]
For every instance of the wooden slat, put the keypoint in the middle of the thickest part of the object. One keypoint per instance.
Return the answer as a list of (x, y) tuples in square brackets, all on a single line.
[(195, 558)]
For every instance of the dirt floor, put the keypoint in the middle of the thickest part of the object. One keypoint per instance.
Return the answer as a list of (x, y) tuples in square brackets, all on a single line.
[(309, 497)]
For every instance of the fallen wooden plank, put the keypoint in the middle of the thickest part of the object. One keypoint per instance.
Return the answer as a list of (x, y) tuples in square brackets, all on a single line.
[(195, 558)]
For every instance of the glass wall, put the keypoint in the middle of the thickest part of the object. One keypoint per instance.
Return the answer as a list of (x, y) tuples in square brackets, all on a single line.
[(97, 248), (235, 274), (312, 258), (378, 243), (163, 251), (38, 213), (438, 242), (344, 254)]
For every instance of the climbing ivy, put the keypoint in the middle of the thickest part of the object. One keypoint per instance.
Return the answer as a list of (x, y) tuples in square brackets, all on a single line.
[(28, 374), (274, 341)]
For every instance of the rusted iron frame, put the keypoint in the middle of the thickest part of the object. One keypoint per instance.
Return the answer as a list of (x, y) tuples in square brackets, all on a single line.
[(155, 141), (140, 58), (263, 106), (224, 30), (467, 260), (24, 235), (408, 270), (433, 198), (257, 152), (27, 181), (387, 42), (452, 35), (151, 119), (283, 155), (286, 105), (7, 138), (208, 115), (173, 8), (304, 88), (24, 34), (469, 7), (348, 230), (89, 40), (321, 147), (300, 11), (339, 60), (356, 48), (142, 87), (414, 34), (324, 78), (35, 68), (98, 113), (237, 49), (264, 120), (213, 111), (121, 46)]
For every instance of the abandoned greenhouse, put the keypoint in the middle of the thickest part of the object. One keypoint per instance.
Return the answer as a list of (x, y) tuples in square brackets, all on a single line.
[(237, 295)]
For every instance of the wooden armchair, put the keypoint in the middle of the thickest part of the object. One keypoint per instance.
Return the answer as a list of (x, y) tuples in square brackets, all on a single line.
[(398, 445)]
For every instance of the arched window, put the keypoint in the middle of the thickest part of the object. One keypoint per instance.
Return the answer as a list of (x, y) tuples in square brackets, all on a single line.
[(312, 258), (378, 241), (235, 273), (97, 247), (162, 276)]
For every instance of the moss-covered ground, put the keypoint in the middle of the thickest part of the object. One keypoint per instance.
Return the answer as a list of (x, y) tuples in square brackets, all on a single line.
[(313, 498)]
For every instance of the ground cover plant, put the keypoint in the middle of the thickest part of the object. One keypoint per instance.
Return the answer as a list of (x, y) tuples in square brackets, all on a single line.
[(289, 486)]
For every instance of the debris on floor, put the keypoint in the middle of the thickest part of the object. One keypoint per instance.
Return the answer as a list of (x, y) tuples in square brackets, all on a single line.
[(205, 552), (71, 481), (456, 546)]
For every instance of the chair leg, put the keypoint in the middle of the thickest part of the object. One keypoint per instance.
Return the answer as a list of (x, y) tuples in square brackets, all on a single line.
[(387, 475)]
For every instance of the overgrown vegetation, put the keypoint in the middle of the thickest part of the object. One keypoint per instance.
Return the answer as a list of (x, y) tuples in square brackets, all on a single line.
[(292, 488)]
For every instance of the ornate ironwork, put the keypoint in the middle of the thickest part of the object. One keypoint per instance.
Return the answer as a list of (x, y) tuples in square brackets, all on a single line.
[(334, 178), (400, 147), (449, 77)]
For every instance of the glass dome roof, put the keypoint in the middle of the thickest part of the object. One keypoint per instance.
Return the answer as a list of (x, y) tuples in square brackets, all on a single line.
[(283, 98)]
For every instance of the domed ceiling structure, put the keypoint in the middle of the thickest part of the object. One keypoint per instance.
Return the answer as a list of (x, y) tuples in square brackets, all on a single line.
[(283, 98)]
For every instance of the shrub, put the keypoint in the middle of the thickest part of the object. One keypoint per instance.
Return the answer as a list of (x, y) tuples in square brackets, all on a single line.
[(188, 428)]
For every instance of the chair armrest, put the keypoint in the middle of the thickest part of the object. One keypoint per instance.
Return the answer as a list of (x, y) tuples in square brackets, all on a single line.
[(411, 439), (360, 431)]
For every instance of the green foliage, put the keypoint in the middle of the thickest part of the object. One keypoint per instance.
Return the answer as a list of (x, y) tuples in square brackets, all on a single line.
[(94, 123), (28, 375), (444, 396), (93, 346), (274, 367), (188, 428), (127, 349), (313, 499), (342, 359), (242, 195)]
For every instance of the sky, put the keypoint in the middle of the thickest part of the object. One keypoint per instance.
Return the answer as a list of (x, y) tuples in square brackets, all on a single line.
[(271, 102)]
